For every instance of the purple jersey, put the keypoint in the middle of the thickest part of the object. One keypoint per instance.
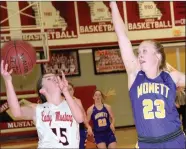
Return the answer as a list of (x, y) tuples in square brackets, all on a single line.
[(153, 104), (100, 119)]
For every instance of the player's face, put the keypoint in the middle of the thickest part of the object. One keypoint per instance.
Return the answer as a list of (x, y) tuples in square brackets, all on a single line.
[(71, 90), (97, 96), (50, 82), (147, 55)]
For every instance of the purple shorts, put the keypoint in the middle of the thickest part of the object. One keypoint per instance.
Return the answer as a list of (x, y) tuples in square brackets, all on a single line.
[(106, 137)]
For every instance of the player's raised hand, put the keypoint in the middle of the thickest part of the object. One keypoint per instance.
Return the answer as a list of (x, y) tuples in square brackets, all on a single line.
[(112, 3), (4, 71), (63, 83)]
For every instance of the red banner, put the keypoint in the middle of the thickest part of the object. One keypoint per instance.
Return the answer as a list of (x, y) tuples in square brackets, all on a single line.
[(148, 15), (27, 16), (17, 124), (4, 14), (95, 17), (4, 21), (179, 13), (85, 94), (55, 17)]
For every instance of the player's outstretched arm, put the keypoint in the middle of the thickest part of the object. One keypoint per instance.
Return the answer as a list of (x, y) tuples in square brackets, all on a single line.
[(25, 112), (73, 104), (128, 56)]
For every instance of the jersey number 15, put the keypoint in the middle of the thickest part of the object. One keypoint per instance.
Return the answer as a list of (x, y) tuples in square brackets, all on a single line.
[(62, 135)]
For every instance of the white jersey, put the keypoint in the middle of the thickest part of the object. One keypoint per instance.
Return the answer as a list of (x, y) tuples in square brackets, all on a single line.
[(56, 126)]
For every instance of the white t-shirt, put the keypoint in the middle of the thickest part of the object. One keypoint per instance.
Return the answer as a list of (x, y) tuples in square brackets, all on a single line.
[(56, 126)]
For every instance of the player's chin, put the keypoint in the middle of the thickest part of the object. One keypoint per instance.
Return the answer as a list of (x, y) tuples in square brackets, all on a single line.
[(143, 67), (98, 100)]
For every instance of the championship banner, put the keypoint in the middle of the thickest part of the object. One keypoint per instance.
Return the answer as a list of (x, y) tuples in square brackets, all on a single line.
[(146, 15), (179, 13), (95, 17), (55, 17), (10, 124)]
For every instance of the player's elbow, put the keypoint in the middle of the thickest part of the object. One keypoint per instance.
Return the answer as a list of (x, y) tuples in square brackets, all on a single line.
[(80, 118), (17, 114)]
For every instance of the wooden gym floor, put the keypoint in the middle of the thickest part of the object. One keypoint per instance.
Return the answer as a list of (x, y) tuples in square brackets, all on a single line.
[(126, 138)]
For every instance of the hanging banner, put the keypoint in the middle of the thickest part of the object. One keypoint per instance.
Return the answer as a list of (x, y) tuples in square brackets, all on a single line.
[(55, 17), (145, 15), (95, 17), (179, 13)]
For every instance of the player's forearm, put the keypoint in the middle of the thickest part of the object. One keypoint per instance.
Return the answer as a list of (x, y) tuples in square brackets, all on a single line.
[(86, 122), (118, 23), (87, 125), (12, 99), (113, 121), (74, 107), (177, 105), (124, 42)]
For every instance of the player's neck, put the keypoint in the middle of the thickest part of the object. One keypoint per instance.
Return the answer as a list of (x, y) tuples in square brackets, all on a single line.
[(152, 73), (55, 99), (98, 104)]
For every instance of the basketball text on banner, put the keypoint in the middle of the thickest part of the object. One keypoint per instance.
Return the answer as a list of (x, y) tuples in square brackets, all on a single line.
[(148, 15), (95, 17), (89, 24)]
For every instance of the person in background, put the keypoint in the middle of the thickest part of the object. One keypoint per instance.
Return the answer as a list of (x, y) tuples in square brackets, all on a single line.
[(103, 122)]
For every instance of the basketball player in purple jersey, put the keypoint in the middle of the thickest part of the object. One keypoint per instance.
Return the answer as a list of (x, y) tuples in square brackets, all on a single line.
[(82, 126), (56, 119), (152, 90), (103, 129)]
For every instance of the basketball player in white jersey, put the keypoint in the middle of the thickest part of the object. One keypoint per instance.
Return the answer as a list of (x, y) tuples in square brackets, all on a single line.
[(56, 119)]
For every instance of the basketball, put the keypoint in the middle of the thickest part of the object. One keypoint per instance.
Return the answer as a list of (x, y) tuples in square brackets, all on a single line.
[(19, 55)]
